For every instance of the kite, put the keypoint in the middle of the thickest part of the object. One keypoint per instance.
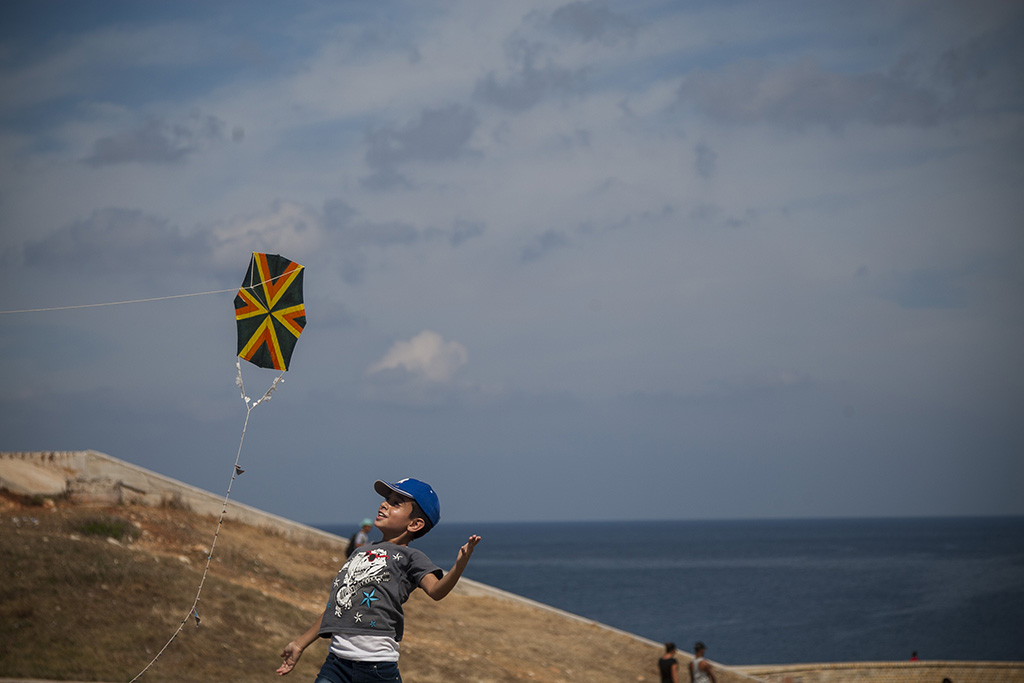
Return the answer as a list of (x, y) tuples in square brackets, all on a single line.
[(269, 311)]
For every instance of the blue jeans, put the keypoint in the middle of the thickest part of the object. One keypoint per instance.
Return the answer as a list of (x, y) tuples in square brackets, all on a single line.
[(338, 670)]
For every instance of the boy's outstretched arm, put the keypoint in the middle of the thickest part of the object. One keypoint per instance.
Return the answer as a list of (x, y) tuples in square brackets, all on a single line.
[(293, 650), (438, 588)]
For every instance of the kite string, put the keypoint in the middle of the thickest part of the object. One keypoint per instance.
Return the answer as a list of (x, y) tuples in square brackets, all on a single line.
[(117, 303), (235, 472), (141, 301)]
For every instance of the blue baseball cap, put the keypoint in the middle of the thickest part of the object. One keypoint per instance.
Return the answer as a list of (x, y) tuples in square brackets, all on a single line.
[(419, 491)]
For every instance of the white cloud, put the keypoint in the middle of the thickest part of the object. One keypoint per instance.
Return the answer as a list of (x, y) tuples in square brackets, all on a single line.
[(286, 228), (426, 355)]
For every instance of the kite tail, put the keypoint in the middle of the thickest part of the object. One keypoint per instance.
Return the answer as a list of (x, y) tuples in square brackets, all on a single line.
[(236, 471)]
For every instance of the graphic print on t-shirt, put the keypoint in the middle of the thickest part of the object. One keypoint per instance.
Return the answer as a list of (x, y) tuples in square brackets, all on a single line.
[(365, 568)]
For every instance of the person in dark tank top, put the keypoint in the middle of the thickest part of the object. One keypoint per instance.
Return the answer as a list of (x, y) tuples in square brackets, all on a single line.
[(668, 665)]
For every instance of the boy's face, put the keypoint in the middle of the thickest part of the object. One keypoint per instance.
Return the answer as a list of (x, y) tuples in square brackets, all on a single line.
[(395, 515)]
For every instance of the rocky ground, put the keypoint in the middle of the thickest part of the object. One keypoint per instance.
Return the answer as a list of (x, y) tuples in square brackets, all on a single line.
[(93, 594)]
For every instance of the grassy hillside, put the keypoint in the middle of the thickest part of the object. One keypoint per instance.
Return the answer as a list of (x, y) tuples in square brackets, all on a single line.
[(92, 594), (77, 605)]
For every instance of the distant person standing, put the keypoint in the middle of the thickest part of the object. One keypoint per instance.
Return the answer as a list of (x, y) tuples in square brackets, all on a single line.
[(913, 656), (700, 669), (668, 665), (361, 537)]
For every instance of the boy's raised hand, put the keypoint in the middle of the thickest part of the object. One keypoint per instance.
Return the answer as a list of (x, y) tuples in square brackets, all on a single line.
[(438, 588), (467, 550)]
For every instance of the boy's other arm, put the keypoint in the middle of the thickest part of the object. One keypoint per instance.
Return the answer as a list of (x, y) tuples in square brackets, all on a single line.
[(438, 588), (293, 650)]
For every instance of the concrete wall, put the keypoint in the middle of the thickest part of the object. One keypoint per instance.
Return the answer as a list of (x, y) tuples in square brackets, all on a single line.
[(890, 672), (94, 478)]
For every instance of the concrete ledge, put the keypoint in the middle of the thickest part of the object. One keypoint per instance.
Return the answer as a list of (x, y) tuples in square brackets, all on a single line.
[(890, 672), (27, 478), (94, 478)]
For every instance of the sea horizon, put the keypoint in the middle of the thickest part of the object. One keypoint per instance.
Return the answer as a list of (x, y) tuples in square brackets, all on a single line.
[(822, 518)]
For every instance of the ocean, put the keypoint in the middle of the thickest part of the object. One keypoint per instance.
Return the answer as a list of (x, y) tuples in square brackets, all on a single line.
[(770, 591)]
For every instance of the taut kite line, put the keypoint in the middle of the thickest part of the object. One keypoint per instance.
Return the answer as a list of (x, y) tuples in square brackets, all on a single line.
[(270, 315)]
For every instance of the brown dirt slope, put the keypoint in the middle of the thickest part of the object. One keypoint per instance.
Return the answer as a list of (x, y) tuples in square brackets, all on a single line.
[(93, 594)]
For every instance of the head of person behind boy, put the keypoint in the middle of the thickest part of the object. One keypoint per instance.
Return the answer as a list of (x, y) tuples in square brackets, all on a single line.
[(408, 503)]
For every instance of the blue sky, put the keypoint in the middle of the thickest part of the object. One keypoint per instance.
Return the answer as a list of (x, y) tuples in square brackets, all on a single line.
[(586, 260)]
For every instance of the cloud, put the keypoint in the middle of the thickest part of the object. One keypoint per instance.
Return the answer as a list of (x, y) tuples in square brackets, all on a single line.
[(352, 236), (288, 228), (437, 135), (706, 160), (160, 142), (118, 239), (982, 74), (427, 356), (105, 60), (463, 231), (542, 244), (528, 86), (534, 74), (385, 179), (339, 221), (978, 76), (592, 21), (114, 237), (803, 93), (338, 232), (935, 288)]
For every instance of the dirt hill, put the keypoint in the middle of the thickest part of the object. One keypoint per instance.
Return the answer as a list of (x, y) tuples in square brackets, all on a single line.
[(93, 594)]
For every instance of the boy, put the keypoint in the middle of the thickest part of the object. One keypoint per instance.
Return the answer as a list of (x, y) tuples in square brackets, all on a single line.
[(364, 617)]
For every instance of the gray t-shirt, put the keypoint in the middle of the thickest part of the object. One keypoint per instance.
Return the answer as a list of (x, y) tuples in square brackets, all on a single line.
[(368, 593)]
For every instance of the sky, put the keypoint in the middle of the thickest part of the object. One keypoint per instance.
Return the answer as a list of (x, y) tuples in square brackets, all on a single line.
[(564, 260)]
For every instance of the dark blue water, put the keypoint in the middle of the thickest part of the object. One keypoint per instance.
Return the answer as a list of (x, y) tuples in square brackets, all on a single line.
[(768, 592)]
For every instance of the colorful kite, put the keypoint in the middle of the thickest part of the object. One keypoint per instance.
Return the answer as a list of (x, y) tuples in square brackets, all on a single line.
[(269, 311)]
